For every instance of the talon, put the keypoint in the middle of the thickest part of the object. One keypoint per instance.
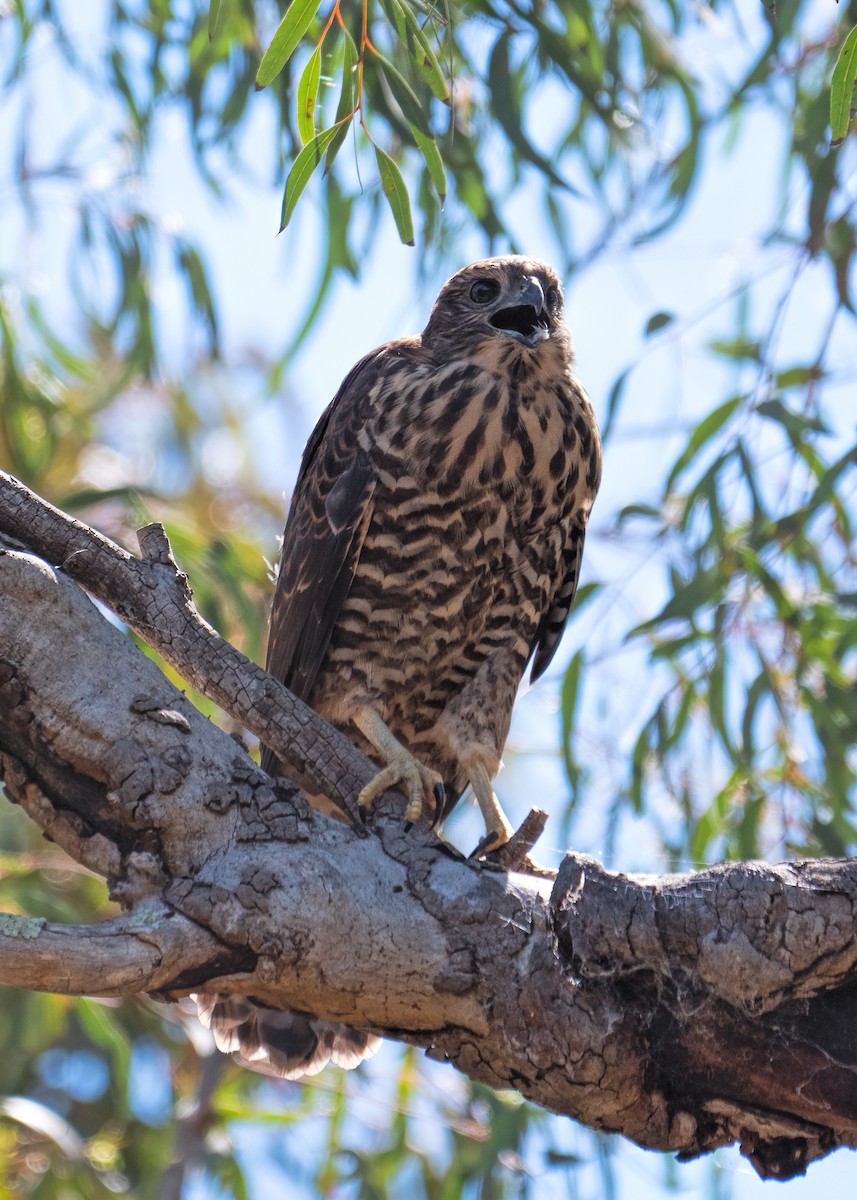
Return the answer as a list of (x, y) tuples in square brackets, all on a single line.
[(491, 841), (403, 771), (439, 797)]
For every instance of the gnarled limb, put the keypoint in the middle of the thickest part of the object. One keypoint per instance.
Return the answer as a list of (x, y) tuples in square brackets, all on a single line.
[(152, 596), (685, 1012)]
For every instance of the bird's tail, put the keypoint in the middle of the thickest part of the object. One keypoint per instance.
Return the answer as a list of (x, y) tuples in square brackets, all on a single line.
[(287, 1044)]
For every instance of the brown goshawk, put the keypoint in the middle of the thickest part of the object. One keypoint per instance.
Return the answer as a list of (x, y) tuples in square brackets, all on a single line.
[(432, 548)]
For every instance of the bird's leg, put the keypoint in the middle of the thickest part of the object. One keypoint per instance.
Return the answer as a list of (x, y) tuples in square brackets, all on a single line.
[(473, 727), (498, 828), (423, 787)]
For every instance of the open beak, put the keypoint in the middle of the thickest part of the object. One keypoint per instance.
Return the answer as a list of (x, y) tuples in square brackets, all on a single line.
[(528, 320)]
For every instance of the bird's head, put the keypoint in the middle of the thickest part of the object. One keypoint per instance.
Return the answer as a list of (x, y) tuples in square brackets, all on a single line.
[(508, 299)]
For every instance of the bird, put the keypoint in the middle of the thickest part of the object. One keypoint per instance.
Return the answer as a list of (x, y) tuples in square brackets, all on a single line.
[(431, 551)]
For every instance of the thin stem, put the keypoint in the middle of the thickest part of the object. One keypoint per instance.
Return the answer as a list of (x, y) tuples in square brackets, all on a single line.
[(334, 15)]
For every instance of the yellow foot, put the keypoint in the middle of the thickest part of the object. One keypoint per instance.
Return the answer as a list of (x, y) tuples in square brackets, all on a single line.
[(411, 777), (422, 786), (498, 828)]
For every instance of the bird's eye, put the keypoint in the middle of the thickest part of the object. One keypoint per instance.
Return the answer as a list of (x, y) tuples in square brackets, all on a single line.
[(553, 297), (484, 291)]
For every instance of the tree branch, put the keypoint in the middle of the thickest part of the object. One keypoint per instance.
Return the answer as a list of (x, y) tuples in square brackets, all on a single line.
[(144, 952), (685, 1012), (152, 596)]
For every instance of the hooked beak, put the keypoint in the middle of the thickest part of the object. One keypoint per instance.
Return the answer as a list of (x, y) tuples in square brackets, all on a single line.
[(527, 321)]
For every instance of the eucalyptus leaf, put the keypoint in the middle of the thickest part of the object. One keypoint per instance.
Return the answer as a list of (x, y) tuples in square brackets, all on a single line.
[(304, 165), (419, 47), (842, 88), (299, 16), (397, 195), (701, 436), (347, 99), (215, 16), (434, 162), (405, 95), (308, 95), (614, 400), (569, 699), (658, 321)]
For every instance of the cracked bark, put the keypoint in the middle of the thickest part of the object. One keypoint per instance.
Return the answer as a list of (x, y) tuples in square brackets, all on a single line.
[(686, 1012)]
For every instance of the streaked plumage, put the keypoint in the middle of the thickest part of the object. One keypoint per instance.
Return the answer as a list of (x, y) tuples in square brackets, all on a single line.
[(435, 534)]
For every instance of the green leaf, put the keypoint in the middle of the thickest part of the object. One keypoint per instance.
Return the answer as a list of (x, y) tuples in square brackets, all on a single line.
[(229, 1176), (193, 267), (613, 401), (840, 244), (656, 321), (824, 182), (681, 721), (75, 364), (703, 434), (647, 511), (672, 647), (405, 96), (569, 696), (418, 46), (705, 492), (798, 376), (794, 423), (717, 690), (215, 13), (740, 348), (702, 591), (105, 1031), (307, 96), (431, 154), (303, 167), (505, 86), (760, 511), (397, 195), (713, 823), (639, 762), (746, 844), (825, 493), (298, 18), (842, 89), (758, 690), (347, 99), (756, 571), (585, 593), (83, 497)]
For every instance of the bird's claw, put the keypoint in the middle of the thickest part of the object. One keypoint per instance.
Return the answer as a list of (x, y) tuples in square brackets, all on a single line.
[(499, 830), (493, 840), (422, 786)]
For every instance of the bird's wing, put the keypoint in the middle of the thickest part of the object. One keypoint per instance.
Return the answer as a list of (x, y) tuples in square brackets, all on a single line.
[(555, 615), (330, 511)]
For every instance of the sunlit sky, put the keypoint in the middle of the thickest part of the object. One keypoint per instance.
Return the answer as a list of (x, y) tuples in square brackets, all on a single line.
[(263, 284)]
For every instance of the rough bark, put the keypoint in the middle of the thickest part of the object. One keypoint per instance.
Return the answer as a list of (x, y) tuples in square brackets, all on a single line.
[(686, 1012)]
